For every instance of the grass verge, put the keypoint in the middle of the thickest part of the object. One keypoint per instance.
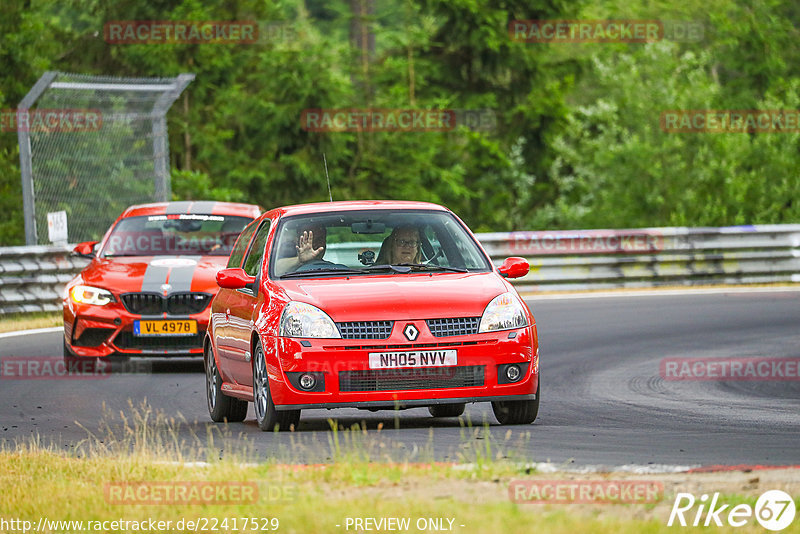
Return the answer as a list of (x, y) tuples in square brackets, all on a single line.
[(136, 468), (30, 321), (40, 483)]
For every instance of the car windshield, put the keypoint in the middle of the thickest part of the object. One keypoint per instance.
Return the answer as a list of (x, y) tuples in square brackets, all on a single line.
[(373, 242), (192, 234)]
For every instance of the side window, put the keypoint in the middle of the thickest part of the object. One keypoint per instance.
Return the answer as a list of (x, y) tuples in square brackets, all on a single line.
[(252, 264), (241, 245)]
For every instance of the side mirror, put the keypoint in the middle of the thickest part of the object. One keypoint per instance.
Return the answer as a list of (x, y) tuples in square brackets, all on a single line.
[(85, 249), (514, 267), (234, 279)]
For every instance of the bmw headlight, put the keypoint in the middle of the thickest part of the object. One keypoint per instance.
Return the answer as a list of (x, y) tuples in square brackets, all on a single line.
[(304, 320), (91, 295), (504, 312)]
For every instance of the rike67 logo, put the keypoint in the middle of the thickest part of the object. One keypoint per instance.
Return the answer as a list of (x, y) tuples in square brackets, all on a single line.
[(774, 510)]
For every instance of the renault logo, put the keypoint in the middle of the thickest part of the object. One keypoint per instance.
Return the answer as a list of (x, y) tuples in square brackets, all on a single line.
[(411, 332)]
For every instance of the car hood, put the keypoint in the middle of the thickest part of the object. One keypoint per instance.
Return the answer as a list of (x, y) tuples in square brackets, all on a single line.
[(151, 273), (406, 296)]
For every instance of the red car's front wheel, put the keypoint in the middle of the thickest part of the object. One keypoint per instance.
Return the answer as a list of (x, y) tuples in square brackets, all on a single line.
[(267, 417), (220, 406), (518, 412)]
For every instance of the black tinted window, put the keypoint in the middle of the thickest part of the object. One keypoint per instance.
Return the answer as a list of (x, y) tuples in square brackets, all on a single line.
[(241, 245), (253, 262)]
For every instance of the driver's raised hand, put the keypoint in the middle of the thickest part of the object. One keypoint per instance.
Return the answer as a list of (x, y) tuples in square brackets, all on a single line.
[(305, 248)]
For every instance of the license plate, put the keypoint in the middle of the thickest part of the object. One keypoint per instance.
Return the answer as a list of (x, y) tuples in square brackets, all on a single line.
[(164, 328), (412, 358)]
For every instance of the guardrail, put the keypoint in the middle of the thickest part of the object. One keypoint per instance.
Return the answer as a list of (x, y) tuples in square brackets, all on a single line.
[(652, 257), (32, 278)]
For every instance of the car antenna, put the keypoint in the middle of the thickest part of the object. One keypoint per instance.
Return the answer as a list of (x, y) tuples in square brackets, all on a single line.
[(327, 178)]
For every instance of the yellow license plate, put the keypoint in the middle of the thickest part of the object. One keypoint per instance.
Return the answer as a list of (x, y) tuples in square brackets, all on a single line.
[(165, 328)]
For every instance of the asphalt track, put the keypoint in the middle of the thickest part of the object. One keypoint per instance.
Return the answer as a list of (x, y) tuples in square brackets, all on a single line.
[(604, 401)]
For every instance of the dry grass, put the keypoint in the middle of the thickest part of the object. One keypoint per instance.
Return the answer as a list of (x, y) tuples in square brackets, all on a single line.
[(361, 480), (29, 321)]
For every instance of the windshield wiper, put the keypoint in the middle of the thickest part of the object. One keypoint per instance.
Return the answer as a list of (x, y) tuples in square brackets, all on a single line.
[(387, 267), (317, 272), (408, 267)]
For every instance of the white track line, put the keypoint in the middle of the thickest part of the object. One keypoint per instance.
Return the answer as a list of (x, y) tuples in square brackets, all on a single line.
[(30, 332)]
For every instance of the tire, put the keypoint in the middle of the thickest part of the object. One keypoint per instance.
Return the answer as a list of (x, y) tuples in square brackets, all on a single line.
[(69, 357), (447, 410), (267, 417), (518, 412), (221, 408)]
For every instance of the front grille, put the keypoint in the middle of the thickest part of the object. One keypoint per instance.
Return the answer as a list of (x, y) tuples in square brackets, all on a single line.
[(93, 337), (365, 329), (413, 346), (457, 326), (126, 340), (187, 303), (175, 304), (405, 379), (143, 303)]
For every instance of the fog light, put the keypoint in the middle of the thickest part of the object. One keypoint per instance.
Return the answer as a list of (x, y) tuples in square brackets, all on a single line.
[(307, 381), (513, 372)]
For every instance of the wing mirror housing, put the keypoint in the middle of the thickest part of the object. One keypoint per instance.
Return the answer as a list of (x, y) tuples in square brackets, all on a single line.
[(235, 279), (514, 267), (85, 249)]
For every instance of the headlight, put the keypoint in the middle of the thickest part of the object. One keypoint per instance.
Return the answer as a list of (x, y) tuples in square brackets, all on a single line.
[(91, 295), (304, 320), (504, 312)]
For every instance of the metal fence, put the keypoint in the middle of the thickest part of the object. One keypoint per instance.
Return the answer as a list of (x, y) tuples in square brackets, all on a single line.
[(91, 146), (32, 278)]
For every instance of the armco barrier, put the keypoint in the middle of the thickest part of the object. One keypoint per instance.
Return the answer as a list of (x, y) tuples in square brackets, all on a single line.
[(33, 278), (651, 257)]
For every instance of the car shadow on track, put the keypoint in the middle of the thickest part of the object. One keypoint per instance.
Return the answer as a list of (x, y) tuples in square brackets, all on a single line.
[(416, 418), (133, 366)]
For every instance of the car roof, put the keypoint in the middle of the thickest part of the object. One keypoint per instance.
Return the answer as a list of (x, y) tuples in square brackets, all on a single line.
[(322, 207), (194, 207)]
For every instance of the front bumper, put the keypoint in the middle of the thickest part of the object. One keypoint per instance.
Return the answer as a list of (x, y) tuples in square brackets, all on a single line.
[(102, 331), (475, 377)]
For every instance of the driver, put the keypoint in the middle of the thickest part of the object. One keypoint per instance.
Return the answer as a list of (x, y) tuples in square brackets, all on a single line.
[(311, 245), (402, 246)]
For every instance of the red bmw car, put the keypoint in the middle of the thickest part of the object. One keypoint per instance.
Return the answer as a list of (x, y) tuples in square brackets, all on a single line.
[(151, 279), (373, 305)]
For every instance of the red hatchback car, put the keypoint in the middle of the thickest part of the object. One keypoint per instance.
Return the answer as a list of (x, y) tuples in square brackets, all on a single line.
[(151, 280), (373, 305)]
